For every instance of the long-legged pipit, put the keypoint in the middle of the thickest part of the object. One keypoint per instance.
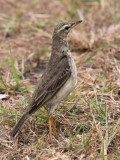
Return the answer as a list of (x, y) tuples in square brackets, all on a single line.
[(57, 81)]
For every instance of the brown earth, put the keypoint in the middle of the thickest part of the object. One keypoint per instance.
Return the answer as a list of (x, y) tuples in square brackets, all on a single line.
[(88, 121)]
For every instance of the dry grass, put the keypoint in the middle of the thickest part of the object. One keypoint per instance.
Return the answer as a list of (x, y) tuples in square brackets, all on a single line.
[(88, 121)]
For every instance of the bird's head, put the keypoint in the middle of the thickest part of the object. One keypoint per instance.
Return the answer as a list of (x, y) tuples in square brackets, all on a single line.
[(62, 29)]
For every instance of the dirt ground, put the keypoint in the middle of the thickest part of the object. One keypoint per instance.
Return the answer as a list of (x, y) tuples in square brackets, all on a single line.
[(88, 121)]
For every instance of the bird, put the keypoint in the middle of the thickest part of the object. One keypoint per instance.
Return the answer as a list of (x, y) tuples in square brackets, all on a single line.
[(58, 80)]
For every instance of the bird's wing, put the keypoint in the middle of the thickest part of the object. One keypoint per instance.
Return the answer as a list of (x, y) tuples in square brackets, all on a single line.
[(50, 85), (52, 80)]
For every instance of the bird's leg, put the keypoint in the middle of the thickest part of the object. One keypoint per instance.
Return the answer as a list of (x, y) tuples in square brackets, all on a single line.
[(51, 125), (54, 128), (50, 128)]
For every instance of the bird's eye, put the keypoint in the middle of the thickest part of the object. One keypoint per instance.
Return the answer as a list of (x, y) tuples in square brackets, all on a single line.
[(66, 28)]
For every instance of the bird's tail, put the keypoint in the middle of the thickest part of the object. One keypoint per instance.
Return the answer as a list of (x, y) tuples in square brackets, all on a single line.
[(20, 124)]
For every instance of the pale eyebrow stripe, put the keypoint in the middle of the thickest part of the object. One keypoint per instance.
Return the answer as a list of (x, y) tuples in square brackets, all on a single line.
[(63, 27)]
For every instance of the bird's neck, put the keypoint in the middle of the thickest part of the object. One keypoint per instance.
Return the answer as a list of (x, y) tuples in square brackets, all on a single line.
[(59, 49), (59, 44)]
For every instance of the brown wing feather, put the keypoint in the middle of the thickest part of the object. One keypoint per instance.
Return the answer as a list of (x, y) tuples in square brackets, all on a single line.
[(46, 89), (50, 86)]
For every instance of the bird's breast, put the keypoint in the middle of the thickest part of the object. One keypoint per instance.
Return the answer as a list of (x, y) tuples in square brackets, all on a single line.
[(69, 85)]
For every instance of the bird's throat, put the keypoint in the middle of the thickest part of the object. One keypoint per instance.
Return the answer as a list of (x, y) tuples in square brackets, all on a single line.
[(59, 43)]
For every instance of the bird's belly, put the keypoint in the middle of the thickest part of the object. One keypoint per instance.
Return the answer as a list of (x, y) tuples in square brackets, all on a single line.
[(68, 86)]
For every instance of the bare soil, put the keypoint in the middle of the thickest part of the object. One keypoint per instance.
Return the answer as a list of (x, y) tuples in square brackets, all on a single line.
[(87, 122)]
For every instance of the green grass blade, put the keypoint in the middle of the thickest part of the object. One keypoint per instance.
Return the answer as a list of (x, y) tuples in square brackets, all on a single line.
[(15, 75)]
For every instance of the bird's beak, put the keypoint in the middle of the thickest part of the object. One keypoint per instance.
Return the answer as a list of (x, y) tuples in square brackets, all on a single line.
[(73, 24)]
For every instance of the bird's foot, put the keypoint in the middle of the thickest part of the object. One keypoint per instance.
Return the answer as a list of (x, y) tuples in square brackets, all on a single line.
[(52, 126)]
